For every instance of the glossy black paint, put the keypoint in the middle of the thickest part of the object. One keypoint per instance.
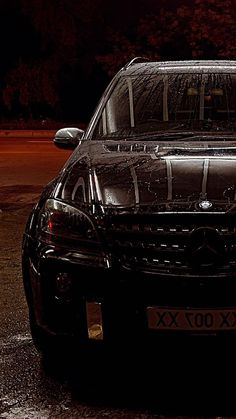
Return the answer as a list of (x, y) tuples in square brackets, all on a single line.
[(164, 214)]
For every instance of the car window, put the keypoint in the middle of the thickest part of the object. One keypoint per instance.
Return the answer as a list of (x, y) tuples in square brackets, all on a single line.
[(154, 103)]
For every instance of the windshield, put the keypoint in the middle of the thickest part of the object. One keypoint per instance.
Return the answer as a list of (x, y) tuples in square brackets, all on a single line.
[(154, 104)]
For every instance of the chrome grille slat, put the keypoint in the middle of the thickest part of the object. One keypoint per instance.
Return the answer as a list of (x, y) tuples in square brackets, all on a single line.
[(149, 246), (151, 228)]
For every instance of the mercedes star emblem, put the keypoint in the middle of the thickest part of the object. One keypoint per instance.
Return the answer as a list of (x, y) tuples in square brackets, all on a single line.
[(205, 205), (206, 248)]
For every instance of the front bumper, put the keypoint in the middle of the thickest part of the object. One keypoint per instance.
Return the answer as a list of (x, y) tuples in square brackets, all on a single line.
[(97, 299)]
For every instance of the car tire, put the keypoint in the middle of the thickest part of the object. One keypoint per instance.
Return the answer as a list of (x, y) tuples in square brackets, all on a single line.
[(42, 341)]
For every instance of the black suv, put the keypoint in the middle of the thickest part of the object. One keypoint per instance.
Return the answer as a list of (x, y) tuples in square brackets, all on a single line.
[(135, 239)]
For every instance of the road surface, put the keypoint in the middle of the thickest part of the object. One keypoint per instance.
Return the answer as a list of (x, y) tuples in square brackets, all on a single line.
[(27, 389)]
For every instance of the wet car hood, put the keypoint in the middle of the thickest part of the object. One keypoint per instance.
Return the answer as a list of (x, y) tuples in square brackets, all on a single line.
[(179, 175)]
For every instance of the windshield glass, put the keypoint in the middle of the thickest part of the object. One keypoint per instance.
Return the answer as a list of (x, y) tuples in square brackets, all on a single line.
[(162, 103)]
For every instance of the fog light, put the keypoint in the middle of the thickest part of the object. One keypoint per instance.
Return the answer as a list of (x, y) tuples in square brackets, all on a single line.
[(94, 321), (63, 283)]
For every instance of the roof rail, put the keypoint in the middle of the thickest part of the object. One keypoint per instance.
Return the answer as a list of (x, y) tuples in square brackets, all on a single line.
[(136, 60)]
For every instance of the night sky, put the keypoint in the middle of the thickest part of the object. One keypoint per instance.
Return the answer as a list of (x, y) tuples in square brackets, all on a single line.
[(58, 55)]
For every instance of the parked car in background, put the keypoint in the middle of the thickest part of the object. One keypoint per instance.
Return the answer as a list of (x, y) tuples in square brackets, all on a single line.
[(135, 240)]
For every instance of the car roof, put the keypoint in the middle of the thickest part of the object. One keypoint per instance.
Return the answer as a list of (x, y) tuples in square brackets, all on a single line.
[(184, 66)]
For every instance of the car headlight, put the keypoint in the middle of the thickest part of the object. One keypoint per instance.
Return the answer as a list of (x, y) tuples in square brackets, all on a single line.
[(62, 223)]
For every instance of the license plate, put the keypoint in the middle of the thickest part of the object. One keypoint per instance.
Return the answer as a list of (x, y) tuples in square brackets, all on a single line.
[(191, 319)]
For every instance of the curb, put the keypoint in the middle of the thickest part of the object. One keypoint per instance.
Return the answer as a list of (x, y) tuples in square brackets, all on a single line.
[(26, 133)]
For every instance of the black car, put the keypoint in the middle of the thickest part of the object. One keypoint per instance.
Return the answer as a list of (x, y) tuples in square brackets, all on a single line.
[(135, 239)]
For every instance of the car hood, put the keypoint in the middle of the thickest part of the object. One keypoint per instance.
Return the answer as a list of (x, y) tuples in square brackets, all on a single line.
[(176, 177)]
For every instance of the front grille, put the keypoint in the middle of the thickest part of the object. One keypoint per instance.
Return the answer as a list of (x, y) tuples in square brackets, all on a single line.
[(162, 242)]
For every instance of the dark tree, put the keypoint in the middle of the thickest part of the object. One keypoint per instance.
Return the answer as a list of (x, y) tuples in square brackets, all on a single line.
[(200, 29), (63, 59), (61, 53)]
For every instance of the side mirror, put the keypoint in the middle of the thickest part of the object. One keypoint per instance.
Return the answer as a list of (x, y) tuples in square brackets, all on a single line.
[(68, 137)]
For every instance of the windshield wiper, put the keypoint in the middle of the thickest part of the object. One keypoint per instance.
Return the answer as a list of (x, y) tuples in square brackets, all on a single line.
[(197, 150), (165, 135), (191, 136)]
